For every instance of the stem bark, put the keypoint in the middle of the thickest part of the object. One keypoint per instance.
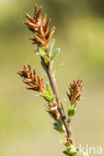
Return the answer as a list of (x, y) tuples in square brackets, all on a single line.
[(57, 95)]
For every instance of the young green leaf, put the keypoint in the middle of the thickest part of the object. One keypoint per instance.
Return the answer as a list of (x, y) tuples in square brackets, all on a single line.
[(43, 54), (58, 127), (53, 100), (70, 151), (55, 53), (46, 97), (71, 112), (49, 51), (48, 90), (46, 58)]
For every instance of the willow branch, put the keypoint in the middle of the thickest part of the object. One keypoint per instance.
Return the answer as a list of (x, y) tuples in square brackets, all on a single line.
[(57, 95)]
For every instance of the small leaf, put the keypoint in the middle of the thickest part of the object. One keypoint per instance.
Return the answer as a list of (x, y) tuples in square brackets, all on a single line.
[(65, 144), (70, 151), (55, 53), (71, 112), (66, 153), (53, 100), (46, 58), (59, 126), (48, 90), (43, 54), (49, 51), (46, 97)]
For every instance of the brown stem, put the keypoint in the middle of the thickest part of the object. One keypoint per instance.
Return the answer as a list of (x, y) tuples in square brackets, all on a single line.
[(56, 93)]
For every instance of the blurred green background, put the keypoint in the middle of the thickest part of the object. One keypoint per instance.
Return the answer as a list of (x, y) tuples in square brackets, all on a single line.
[(25, 127)]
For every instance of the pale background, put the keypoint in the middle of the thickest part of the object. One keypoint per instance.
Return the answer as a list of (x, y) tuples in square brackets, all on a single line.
[(25, 127)]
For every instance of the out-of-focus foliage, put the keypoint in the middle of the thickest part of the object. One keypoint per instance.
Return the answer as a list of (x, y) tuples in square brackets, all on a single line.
[(25, 127)]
